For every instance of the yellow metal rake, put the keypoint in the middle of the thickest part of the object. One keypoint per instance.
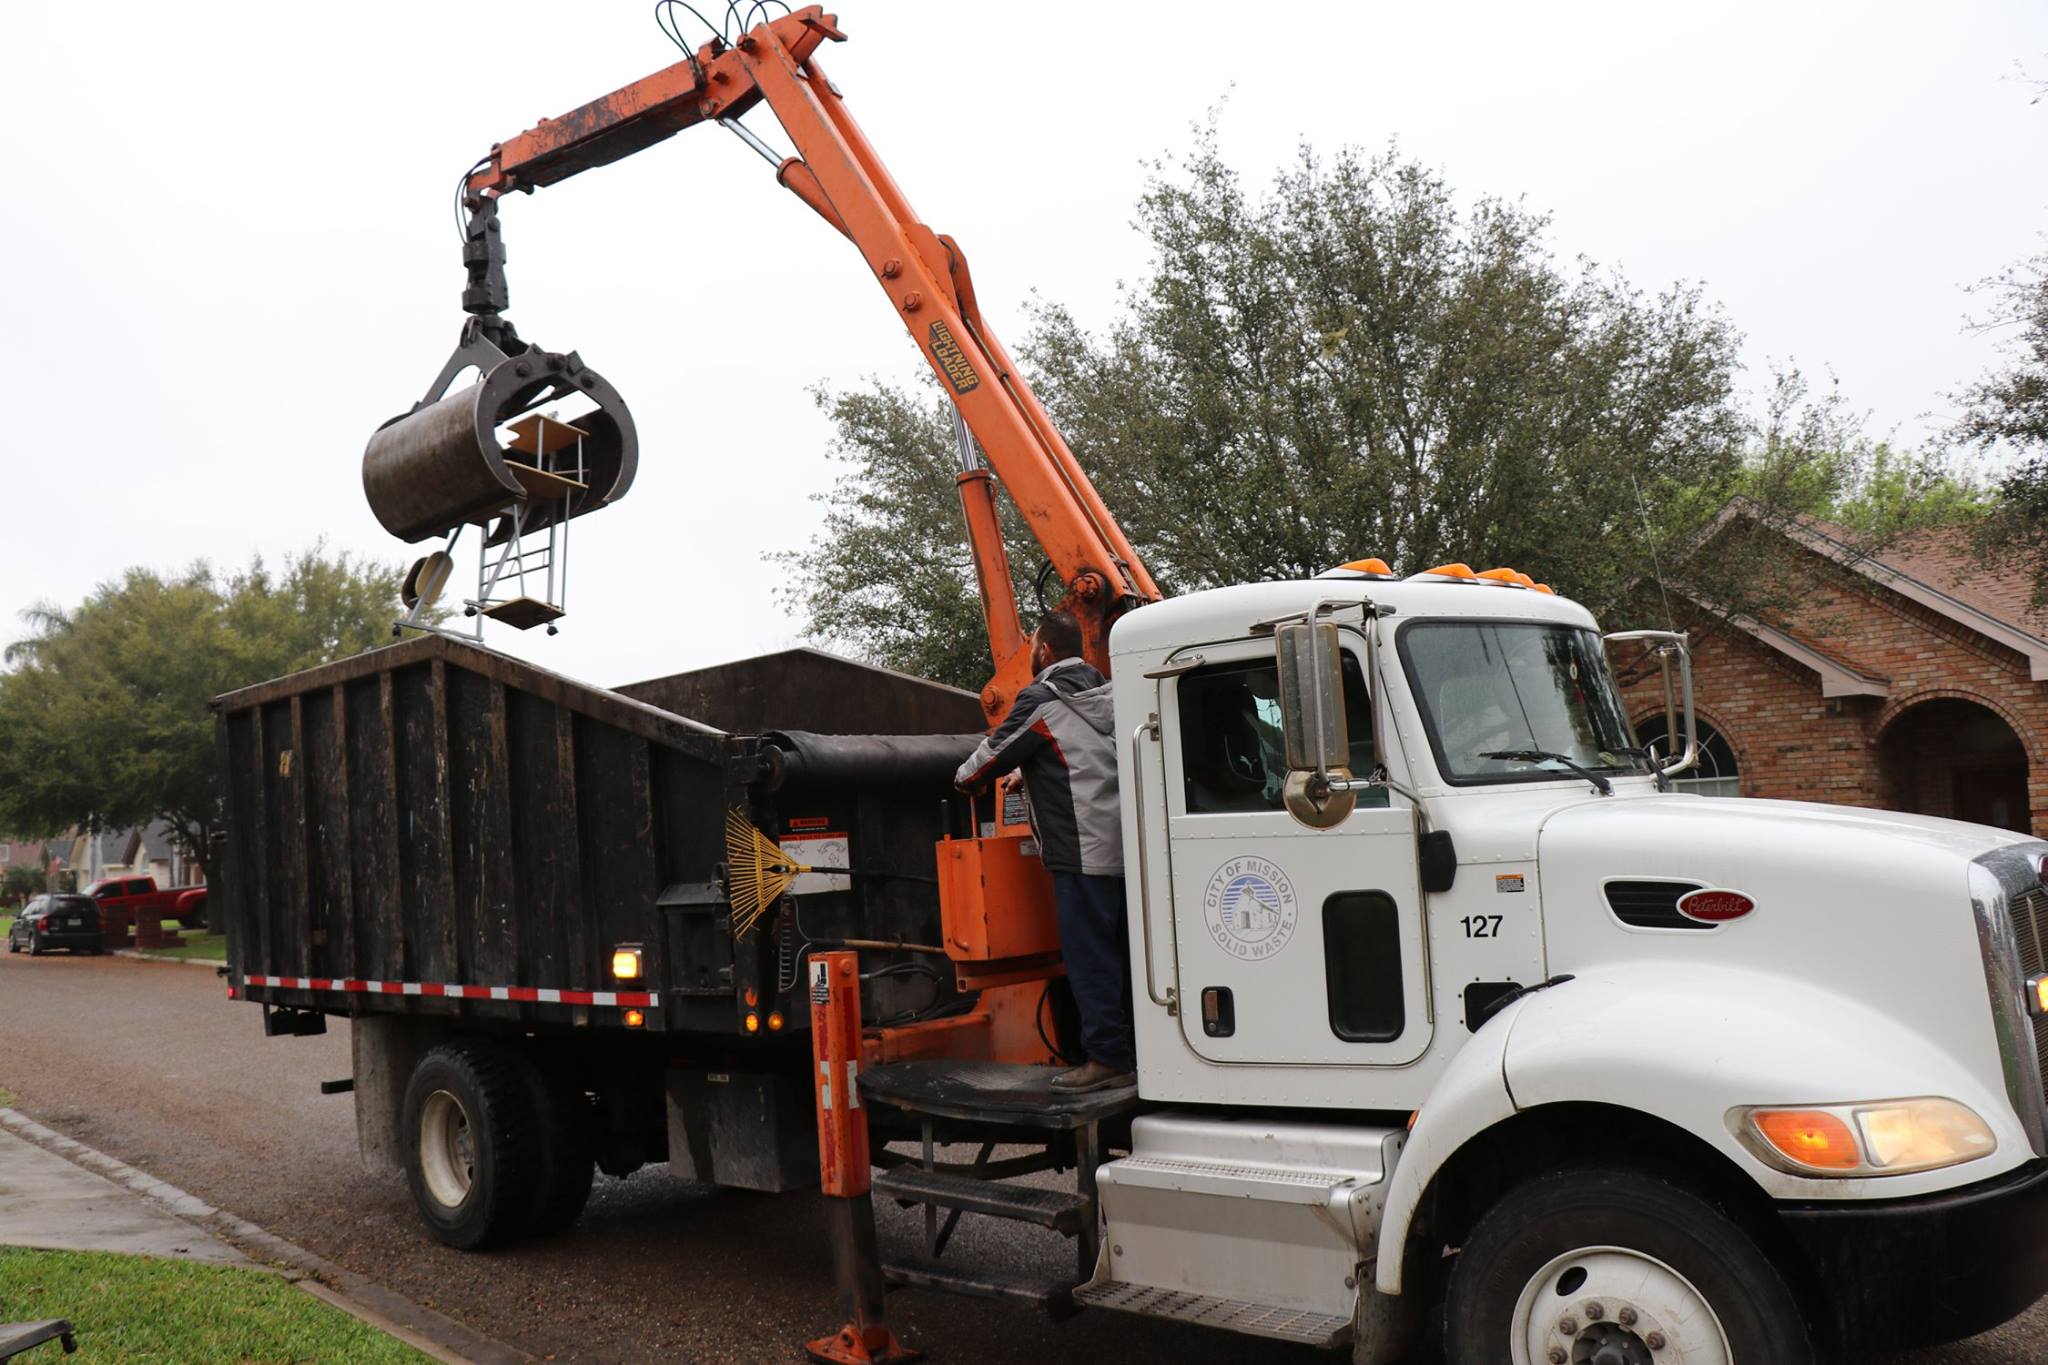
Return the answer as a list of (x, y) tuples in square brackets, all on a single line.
[(757, 871)]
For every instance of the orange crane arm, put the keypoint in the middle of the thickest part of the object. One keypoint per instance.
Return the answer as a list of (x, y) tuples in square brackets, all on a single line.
[(924, 274)]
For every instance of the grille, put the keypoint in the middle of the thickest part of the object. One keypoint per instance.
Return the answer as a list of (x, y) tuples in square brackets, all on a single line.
[(2030, 929), (1651, 905)]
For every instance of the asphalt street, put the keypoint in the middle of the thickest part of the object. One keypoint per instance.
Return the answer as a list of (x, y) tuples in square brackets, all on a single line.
[(152, 1064)]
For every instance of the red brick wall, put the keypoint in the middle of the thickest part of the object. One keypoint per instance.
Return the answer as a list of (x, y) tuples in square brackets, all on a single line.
[(1790, 742)]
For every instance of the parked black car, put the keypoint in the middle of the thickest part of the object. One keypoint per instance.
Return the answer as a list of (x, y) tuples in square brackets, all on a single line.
[(64, 921)]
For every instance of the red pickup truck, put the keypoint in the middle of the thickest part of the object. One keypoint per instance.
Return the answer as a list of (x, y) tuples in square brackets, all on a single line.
[(137, 897)]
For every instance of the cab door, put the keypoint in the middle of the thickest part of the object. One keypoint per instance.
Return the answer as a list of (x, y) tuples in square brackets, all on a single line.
[(1294, 945)]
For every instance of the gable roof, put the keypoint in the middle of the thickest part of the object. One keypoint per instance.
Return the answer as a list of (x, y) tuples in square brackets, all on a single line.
[(1839, 676), (1933, 568)]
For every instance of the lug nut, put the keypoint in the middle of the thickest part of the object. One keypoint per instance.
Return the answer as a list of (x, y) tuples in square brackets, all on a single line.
[(1595, 1311), (1557, 1355), (1567, 1326), (1626, 1317), (1655, 1341)]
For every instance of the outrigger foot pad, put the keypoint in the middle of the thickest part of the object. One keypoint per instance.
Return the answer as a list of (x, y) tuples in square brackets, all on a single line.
[(876, 1345)]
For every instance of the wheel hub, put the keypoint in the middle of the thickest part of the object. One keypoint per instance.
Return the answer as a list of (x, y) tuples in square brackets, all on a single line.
[(447, 1149), (1606, 1343), (1614, 1306)]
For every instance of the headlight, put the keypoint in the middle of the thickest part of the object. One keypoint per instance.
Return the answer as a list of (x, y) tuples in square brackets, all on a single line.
[(1886, 1137)]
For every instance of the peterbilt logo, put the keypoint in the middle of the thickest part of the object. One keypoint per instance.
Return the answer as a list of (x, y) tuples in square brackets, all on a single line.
[(1713, 905)]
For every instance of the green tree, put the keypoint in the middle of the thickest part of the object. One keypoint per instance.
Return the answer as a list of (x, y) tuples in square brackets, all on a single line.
[(104, 707), (891, 574), (2009, 408), (22, 880), (1351, 363)]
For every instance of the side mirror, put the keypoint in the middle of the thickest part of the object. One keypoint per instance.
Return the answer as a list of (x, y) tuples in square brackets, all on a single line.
[(1311, 664), (1667, 645)]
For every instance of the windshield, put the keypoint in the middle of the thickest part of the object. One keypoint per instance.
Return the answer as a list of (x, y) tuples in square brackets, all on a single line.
[(1492, 687)]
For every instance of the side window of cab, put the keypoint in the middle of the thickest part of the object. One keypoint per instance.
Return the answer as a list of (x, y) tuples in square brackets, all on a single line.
[(1233, 757)]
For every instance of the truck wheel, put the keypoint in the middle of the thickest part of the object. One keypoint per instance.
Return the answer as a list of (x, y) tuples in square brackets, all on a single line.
[(1613, 1266), (471, 1151), (567, 1156)]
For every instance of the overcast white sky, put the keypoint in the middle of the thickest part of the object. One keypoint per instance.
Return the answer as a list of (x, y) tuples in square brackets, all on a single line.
[(228, 254)]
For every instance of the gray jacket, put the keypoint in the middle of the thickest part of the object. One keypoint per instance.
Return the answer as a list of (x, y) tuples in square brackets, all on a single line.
[(1062, 732)]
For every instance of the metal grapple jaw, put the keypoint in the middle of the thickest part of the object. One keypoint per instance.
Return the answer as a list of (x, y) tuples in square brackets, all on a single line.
[(509, 437), (451, 459), (446, 462)]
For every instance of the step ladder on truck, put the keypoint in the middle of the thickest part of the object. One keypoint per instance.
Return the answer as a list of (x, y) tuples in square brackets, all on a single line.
[(1448, 1009)]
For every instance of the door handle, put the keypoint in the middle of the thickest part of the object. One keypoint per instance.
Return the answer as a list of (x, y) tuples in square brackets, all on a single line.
[(1149, 728)]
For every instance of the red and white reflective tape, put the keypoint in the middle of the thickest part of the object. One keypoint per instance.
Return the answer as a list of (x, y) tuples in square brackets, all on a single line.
[(543, 995)]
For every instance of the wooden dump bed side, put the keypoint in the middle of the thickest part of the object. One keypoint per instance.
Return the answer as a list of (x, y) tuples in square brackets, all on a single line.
[(436, 828)]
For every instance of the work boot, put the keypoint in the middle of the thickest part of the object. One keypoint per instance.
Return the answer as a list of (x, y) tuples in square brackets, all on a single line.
[(1090, 1076)]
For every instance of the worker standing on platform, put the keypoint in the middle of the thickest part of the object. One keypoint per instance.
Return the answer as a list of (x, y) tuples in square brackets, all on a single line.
[(1061, 732)]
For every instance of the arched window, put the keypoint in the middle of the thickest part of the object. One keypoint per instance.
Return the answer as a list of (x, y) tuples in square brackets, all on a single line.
[(1713, 775)]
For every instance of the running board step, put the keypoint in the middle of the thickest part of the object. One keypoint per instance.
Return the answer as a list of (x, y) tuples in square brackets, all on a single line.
[(1060, 1210), (1057, 1299), (1303, 1325)]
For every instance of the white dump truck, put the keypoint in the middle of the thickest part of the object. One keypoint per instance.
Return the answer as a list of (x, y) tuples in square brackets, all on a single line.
[(1443, 997), (1444, 1001)]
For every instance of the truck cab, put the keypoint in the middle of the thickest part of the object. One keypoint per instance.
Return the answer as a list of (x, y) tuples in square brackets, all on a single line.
[(1428, 958)]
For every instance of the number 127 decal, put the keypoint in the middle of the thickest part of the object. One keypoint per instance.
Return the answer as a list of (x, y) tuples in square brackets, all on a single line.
[(1482, 926)]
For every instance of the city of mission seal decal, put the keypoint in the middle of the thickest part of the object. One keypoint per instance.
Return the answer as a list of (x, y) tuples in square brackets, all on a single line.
[(1250, 909)]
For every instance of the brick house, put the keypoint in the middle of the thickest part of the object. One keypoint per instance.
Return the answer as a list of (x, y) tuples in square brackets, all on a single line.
[(1908, 679)]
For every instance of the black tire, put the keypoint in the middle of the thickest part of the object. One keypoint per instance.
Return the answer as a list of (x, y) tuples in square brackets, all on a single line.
[(1536, 1226), (492, 1089), (35, 944), (568, 1156)]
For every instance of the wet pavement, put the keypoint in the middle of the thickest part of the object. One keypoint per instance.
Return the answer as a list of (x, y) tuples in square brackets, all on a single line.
[(49, 1204)]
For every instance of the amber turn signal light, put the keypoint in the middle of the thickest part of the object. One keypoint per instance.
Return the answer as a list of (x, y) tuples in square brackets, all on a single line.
[(626, 962), (2037, 995), (634, 1018), (775, 1021), (1810, 1137), (753, 1022)]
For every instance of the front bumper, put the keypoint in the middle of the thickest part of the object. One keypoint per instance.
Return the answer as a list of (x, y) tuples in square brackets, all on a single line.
[(1917, 1272)]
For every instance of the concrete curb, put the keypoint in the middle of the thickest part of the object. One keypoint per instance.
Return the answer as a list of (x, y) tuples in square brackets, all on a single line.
[(136, 956), (439, 1337)]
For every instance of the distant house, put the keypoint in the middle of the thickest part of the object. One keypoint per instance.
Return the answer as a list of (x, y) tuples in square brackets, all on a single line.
[(17, 851), (1910, 679), (140, 851)]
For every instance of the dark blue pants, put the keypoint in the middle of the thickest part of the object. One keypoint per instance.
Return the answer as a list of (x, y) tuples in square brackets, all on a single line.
[(1095, 940)]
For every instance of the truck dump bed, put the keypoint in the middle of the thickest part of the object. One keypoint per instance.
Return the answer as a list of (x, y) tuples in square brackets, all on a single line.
[(435, 828)]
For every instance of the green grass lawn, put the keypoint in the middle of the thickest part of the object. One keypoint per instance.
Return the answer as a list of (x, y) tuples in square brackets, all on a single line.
[(139, 1309), (200, 947)]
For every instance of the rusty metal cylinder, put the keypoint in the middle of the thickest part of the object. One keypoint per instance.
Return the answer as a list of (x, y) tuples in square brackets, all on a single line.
[(796, 758), (441, 465)]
